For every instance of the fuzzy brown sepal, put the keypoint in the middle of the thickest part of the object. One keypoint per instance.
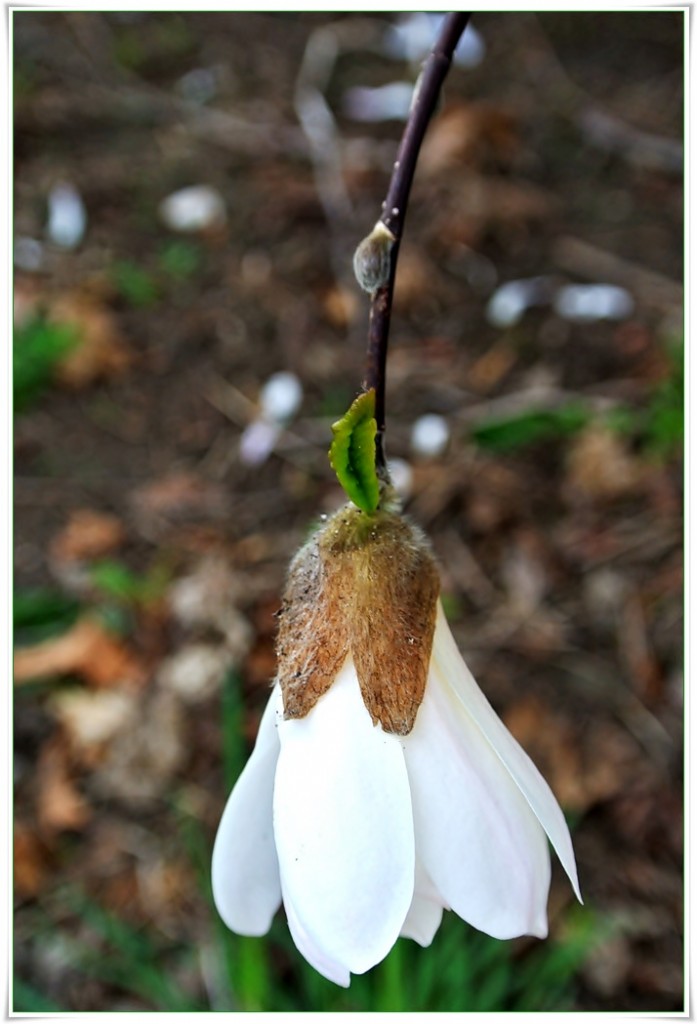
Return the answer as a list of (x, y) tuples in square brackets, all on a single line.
[(312, 638), (365, 586)]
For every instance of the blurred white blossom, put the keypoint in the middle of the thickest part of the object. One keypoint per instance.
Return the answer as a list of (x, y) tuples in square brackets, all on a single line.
[(280, 397), (411, 38), (200, 85), (258, 440), (593, 302), (279, 400), (430, 435), (28, 253), (512, 299), (192, 209), (391, 102), (67, 217), (402, 476)]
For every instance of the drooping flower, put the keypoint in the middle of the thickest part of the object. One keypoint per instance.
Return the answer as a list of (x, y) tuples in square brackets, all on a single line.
[(383, 788)]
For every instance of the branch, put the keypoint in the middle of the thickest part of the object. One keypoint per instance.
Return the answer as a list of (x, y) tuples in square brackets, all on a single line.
[(376, 257)]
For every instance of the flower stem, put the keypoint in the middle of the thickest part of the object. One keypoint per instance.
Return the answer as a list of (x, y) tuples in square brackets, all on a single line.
[(395, 207)]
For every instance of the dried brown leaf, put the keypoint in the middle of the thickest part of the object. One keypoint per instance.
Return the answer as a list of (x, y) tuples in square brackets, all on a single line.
[(177, 498), (486, 204), (474, 134), (30, 861), (490, 369), (87, 534), (87, 650), (141, 760), (497, 498), (600, 466), (59, 805), (340, 307), (195, 672), (27, 299), (643, 668), (102, 351), (91, 719), (580, 773), (608, 965), (416, 282), (165, 889)]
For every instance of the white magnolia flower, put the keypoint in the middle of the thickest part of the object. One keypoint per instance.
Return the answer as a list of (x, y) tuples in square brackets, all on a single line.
[(367, 809)]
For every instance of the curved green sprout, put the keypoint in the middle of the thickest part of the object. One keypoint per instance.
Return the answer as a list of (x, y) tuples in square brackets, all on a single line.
[(352, 453)]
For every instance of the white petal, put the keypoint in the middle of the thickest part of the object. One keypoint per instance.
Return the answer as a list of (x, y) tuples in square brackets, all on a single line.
[(449, 662), (244, 875), (423, 921), (330, 969), (426, 910), (343, 824), (475, 833)]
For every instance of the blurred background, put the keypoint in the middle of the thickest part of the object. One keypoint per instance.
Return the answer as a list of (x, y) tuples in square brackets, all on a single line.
[(189, 189)]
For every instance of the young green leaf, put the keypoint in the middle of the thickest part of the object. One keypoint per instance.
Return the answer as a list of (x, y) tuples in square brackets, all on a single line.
[(352, 453)]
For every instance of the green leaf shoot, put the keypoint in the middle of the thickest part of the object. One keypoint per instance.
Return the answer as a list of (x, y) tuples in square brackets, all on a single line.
[(352, 453)]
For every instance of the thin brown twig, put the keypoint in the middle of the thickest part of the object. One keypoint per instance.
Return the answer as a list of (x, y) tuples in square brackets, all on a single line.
[(395, 207)]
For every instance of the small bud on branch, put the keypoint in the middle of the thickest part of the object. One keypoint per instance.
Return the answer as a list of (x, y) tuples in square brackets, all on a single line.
[(371, 260)]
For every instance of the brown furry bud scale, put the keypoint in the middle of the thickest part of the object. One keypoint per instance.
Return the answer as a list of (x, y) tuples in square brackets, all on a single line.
[(364, 586)]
